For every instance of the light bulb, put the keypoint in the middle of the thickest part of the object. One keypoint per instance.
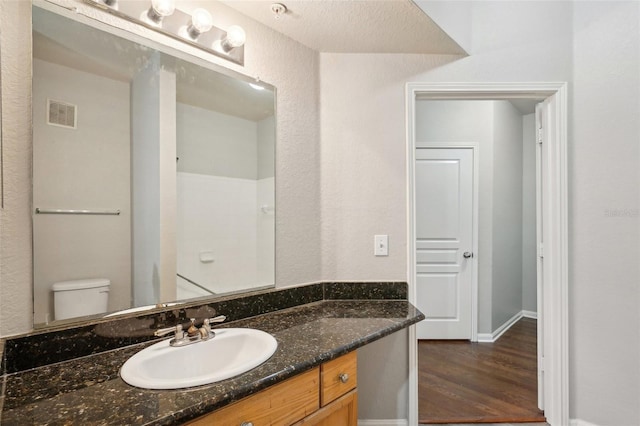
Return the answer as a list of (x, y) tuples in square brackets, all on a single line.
[(201, 20), (163, 7), (235, 38), (159, 9)]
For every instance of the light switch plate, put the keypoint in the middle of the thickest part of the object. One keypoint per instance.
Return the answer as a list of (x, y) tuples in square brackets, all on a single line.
[(381, 245)]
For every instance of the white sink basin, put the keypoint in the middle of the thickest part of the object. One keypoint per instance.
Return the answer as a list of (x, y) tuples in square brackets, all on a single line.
[(231, 352)]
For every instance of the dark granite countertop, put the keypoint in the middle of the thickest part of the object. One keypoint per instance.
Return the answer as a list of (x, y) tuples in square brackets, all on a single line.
[(89, 391)]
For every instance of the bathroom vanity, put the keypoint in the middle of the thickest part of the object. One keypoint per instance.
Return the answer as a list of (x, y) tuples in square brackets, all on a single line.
[(71, 375)]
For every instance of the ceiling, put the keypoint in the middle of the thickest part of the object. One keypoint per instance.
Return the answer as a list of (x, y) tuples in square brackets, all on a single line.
[(353, 26)]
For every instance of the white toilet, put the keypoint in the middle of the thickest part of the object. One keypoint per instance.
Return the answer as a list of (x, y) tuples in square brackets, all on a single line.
[(78, 298)]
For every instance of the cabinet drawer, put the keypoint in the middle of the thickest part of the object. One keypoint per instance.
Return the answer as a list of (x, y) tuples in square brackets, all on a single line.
[(338, 377), (280, 405)]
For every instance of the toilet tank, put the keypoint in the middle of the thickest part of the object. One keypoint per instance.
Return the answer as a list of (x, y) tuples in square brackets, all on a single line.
[(78, 298)]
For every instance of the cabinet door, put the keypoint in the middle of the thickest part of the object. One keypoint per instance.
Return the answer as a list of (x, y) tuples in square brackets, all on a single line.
[(341, 412), (279, 405), (338, 377)]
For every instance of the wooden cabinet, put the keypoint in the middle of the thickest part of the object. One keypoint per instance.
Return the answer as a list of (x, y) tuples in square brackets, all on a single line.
[(324, 396)]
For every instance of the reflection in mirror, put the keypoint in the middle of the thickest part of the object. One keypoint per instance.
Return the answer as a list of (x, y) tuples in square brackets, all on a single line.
[(153, 176)]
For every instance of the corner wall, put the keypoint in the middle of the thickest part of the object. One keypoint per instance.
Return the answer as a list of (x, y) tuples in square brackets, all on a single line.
[(506, 280)]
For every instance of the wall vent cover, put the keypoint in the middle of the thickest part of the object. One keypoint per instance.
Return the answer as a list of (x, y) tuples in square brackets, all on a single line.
[(62, 114)]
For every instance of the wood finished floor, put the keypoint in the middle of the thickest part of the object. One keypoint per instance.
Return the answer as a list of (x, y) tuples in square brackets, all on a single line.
[(463, 382)]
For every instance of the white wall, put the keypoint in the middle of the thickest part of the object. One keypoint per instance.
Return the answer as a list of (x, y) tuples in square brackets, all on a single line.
[(83, 168), (218, 215), (529, 255), (220, 199), (153, 189), (266, 147), (216, 144), (604, 248), (592, 45), (507, 213)]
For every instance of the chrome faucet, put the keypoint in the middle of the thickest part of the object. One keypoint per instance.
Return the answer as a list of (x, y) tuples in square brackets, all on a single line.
[(193, 333)]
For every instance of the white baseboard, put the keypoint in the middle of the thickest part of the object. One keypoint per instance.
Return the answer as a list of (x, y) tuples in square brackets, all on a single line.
[(492, 337), (485, 338), (530, 314), (387, 422), (578, 422)]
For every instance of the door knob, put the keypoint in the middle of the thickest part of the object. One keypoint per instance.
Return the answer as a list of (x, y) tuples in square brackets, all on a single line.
[(467, 254)]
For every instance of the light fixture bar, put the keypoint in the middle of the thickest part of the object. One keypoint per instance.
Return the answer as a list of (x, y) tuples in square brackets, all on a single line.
[(177, 25)]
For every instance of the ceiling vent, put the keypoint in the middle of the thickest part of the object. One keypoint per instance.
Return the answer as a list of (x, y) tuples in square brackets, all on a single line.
[(62, 114)]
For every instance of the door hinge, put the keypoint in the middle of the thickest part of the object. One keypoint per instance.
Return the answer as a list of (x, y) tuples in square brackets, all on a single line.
[(541, 363), (541, 251), (539, 139)]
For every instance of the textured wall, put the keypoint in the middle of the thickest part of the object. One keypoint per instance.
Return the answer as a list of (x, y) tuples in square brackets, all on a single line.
[(604, 214), (270, 56), (15, 218)]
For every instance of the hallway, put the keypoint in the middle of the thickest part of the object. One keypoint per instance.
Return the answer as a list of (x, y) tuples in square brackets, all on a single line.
[(463, 382)]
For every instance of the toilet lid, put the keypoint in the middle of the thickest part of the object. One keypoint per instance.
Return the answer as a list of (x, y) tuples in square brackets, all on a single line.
[(81, 284)]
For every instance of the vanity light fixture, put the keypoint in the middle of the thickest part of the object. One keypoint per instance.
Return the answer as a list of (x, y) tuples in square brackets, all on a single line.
[(256, 86), (196, 28)]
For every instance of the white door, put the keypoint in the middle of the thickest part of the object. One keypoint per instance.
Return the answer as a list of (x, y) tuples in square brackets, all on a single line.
[(444, 241)]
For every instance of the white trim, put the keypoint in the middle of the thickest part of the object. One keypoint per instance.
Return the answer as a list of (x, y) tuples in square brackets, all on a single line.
[(498, 332), (554, 306), (485, 337), (578, 422), (389, 422), (530, 314), (411, 253), (475, 148)]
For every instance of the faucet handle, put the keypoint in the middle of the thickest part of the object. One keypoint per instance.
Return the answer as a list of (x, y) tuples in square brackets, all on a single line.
[(177, 330), (219, 318)]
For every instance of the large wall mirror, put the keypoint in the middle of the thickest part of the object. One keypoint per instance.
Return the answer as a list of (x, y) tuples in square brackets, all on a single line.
[(153, 176)]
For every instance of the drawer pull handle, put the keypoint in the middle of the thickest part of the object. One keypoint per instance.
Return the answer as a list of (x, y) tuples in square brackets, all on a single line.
[(344, 377), (246, 424)]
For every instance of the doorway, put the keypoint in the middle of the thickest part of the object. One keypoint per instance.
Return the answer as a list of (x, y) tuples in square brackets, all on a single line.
[(553, 300), (491, 253)]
